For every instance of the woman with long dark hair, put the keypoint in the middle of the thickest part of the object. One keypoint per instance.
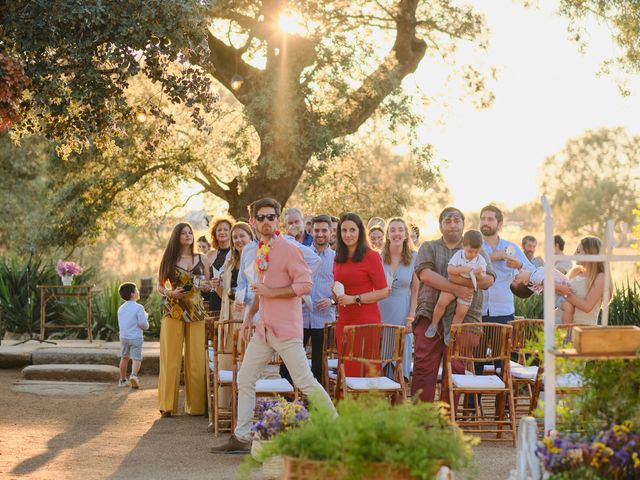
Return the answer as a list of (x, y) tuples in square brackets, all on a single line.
[(220, 247), (359, 269), (182, 274)]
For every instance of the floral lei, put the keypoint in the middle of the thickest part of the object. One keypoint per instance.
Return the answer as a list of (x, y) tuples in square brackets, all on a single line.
[(262, 255)]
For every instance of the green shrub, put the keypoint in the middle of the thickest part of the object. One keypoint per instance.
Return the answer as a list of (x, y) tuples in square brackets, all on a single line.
[(154, 308), (21, 305), (532, 307), (417, 436), (624, 308)]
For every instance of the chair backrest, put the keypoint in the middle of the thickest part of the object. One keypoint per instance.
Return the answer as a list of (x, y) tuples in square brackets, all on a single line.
[(480, 342), (209, 328), (525, 331), (223, 336), (329, 346), (372, 345)]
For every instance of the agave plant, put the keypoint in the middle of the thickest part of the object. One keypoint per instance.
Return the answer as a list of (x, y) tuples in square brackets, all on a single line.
[(19, 296), (624, 308)]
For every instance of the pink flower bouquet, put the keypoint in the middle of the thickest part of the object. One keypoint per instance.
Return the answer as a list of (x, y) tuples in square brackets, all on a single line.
[(68, 268)]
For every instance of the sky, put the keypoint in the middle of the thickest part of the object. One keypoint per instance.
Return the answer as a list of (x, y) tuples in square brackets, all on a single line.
[(547, 92)]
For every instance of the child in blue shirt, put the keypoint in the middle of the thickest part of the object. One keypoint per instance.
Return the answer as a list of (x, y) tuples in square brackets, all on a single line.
[(132, 319)]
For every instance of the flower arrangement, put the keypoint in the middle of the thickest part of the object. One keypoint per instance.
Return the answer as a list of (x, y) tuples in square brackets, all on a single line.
[(68, 268), (276, 416), (613, 453), (262, 255)]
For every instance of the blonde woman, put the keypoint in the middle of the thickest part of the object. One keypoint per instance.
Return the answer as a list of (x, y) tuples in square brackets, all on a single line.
[(399, 308), (241, 236), (220, 245), (583, 296)]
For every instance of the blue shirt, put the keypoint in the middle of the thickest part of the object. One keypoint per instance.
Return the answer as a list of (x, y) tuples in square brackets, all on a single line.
[(322, 284), (498, 299), (307, 241), (132, 319)]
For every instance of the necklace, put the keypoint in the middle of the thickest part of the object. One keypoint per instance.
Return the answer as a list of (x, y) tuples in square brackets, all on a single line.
[(262, 255)]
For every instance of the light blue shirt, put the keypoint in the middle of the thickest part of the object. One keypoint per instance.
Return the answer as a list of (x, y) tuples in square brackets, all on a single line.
[(132, 319), (498, 299), (322, 284)]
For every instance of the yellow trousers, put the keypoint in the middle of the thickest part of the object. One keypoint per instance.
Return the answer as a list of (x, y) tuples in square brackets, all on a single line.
[(173, 334)]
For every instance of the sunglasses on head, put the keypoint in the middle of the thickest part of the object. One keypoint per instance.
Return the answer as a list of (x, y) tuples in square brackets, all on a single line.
[(269, 216), (451, 216)]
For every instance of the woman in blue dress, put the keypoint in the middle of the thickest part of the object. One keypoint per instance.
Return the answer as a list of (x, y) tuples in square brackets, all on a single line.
[(398, 258)]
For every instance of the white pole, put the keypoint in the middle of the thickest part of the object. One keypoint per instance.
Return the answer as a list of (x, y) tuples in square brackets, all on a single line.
[(549, 322), (608, 250)]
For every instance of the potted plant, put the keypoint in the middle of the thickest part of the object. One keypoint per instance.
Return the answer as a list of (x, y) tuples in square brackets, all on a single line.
[(372, 439), (274, 417), (67, 270), (610, 454)]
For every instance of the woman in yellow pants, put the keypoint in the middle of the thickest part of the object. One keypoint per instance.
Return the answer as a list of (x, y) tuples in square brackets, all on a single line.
[(182, 324)]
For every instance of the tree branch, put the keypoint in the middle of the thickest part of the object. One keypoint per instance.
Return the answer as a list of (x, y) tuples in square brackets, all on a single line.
[(403, 59)]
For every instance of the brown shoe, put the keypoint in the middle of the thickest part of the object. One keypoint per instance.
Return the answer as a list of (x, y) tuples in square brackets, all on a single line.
[(233, 446), (165, 413)]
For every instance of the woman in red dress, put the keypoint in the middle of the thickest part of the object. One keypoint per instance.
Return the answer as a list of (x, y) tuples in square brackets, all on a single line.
[(359, 269)]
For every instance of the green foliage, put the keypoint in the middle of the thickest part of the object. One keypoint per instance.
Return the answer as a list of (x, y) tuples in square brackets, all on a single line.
[(154, 307), (21, 305), (368, 429), (532, 307), (610, 395), (594, 178), (624, 308), (622, 17)]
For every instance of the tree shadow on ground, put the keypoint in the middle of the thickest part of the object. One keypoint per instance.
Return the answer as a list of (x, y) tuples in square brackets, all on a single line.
[(176, 448), (72, 437)]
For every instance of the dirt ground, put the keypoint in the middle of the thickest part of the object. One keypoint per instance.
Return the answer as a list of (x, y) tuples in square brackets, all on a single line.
[(117, 434)]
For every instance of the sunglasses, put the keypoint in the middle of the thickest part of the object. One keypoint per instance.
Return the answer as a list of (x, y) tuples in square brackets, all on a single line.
[(455, 217), (269, 216)]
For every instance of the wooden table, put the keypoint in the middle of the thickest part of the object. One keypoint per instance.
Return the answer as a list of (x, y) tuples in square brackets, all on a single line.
[(47, 292)]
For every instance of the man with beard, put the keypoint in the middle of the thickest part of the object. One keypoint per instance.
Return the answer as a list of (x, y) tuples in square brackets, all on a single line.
[(431, 269), (283, 277), (507, 258), (321, 308)]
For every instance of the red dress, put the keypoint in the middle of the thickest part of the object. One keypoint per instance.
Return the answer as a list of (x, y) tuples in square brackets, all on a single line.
[(358, 278)]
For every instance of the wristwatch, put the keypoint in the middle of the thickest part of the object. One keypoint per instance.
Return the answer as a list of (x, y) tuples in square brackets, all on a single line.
[(358, 300), (333, 302)]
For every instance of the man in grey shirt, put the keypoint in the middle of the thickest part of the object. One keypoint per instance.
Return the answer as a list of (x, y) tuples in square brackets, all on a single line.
[(431, 269)]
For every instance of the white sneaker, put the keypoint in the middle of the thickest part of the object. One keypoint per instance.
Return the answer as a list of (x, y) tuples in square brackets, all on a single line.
[(123, 382), (135, 382)]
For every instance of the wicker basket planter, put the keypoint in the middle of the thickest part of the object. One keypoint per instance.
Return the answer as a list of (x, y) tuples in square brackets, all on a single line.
[(301, 469)]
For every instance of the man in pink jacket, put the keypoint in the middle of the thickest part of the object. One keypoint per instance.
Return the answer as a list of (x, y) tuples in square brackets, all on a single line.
[(283, 277)]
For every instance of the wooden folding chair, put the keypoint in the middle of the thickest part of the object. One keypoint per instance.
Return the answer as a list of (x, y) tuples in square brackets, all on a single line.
[(209, 329), (372, 347), (329, 358), (220, 376), (524, 377), (480, 342), (566, 383)]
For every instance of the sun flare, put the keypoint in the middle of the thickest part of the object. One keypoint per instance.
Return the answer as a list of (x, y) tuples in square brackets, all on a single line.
[(292, 22)]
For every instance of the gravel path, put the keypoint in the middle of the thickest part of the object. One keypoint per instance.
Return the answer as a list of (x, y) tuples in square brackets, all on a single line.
[(112, 433)]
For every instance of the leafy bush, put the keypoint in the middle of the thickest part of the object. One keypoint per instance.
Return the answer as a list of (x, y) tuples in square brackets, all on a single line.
[(153, 306), (417, 436), (624, 308), (532, 307), (21, 305)]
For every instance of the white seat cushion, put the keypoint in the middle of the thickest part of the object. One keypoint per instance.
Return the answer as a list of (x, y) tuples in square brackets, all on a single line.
[(371, 383), (478, 382), (466, 372), (569, 380), (332, 363), (210, 349), (524, 373), (225, 376), (332, 375), (279, 385), (491, 368)]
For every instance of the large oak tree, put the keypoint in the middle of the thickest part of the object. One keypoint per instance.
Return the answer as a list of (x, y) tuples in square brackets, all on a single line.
[(303, 90)]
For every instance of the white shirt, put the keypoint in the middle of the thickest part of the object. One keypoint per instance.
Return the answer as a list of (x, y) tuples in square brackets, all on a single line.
[(459, 260), (536, 280), (132, 319)]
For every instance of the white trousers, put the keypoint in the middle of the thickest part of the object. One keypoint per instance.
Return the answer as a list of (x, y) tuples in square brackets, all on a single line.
[(256, 358)]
